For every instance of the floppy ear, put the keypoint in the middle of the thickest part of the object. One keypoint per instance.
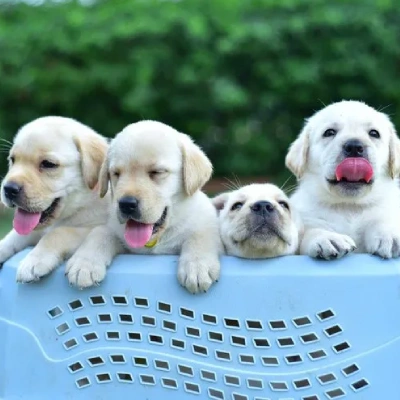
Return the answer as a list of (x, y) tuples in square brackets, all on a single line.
[(197, 168), (220, 201), (296, 158), (394, 154), (92, 149), (104, 178)]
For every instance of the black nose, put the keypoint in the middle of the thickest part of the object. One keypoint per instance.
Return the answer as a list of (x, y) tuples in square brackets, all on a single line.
[(262, 207), (129, 206), (353, 148), (12, 190)]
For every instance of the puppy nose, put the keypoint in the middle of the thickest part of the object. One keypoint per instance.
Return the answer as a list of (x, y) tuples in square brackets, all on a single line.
[(353, 148), (262, 207), (129, 205), (12, 190)]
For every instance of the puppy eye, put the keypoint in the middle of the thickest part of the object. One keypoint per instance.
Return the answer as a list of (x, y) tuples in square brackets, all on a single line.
[(237, 206), (157, 172), (12, 159), (116, 174), (374, 133), (284, 204), (46, 164), (329, 133)]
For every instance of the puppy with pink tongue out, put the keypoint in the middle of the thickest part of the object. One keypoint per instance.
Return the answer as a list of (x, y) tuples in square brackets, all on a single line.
[(347, 162)]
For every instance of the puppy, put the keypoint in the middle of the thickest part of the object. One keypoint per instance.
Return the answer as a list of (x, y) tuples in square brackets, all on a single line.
[(256, 221), (347, 160), (155, 175), (53, 168)]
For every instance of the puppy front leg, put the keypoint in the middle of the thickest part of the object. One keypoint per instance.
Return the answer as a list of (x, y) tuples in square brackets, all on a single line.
[(382, 239), (87, 267), (52, 249)]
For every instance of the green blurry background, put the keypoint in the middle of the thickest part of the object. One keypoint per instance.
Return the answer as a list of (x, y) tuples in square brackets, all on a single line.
[(239, 76)]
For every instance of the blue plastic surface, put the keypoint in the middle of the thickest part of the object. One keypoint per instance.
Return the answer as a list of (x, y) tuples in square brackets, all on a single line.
[(287, 328)]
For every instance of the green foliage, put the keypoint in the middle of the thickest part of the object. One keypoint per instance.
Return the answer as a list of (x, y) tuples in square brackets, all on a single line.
[(239, 76)]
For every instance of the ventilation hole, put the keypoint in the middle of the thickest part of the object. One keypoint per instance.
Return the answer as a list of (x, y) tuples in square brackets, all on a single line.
[(82, 382), (75, 367), (141, 302), (169, 383), (216, 394), (209, 319), (312, 397), (97, 300), (160, 364), (232, 380), (302, 384), (232, 323), (169, 326), (215, 336), (238, 341), (70, 344), (254, 383), (208, 375), (178, 344), (333, 330), (202, 350), (112, 335), (82, 321), (63, 328), (125, 377), (260, 342), (277, 325), (350, 370), (140, 361), (119, 300), (194, 332), (156, 339), (75, 305), (302, 321), (134, 336), (335, 393), (125, 318), (237, 396), (270, 361), (278, 386), (222, 355), (90, 337), (186, 313), (192, 387), (95, 361), (164, 307), (324, 315), (246, 359), (254, 325), (104, 318), (103, 378), (148, 321), (326, 378), (147, 380), (285, 342), (185, 370), (117, 359), (309, 338), (361, 384), (294, 359), (339, 348), (317, 354), (55, 312)]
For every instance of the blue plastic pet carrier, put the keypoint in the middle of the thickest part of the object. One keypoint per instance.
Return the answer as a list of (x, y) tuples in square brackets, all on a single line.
[(290, 328)]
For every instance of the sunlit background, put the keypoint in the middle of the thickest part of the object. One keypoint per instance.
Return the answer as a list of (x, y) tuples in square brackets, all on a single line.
[(239, 76)]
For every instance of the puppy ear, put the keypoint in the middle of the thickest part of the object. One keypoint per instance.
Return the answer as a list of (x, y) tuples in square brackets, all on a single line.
[(197, 168), (394, 154), (104, 178), (220, 201), (92, 149), (297, 157)]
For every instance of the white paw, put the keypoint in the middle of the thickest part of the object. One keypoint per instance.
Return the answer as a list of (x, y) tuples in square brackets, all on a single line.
[(33, 267), (331, 245), (197, 275), (6, 252), (84, 273), (383, 244)]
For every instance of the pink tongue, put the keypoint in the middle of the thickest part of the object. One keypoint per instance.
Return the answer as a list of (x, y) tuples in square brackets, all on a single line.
[(137, 234), (354, 169), (25, 222)]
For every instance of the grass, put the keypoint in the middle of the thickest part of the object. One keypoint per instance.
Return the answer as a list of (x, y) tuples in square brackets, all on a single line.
[(5, 222)]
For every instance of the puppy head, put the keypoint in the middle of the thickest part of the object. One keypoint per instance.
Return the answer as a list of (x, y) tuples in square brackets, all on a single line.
[(150, 168), (347, 147), (52, 163), (256, 221)]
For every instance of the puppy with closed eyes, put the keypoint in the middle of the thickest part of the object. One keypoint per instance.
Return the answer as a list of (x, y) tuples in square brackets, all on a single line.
[(155, 174), (54, 164), (256, 221)]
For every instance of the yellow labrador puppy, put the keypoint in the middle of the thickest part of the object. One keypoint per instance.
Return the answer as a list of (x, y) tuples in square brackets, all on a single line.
[(155, 175), (53, 168), (347, 161), (257, 221)]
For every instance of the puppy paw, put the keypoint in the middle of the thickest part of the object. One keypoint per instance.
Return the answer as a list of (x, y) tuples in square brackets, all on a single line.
[(33, 267), (84, 273), (198, 275), (5, 252), (330, 246), (383, 244)]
